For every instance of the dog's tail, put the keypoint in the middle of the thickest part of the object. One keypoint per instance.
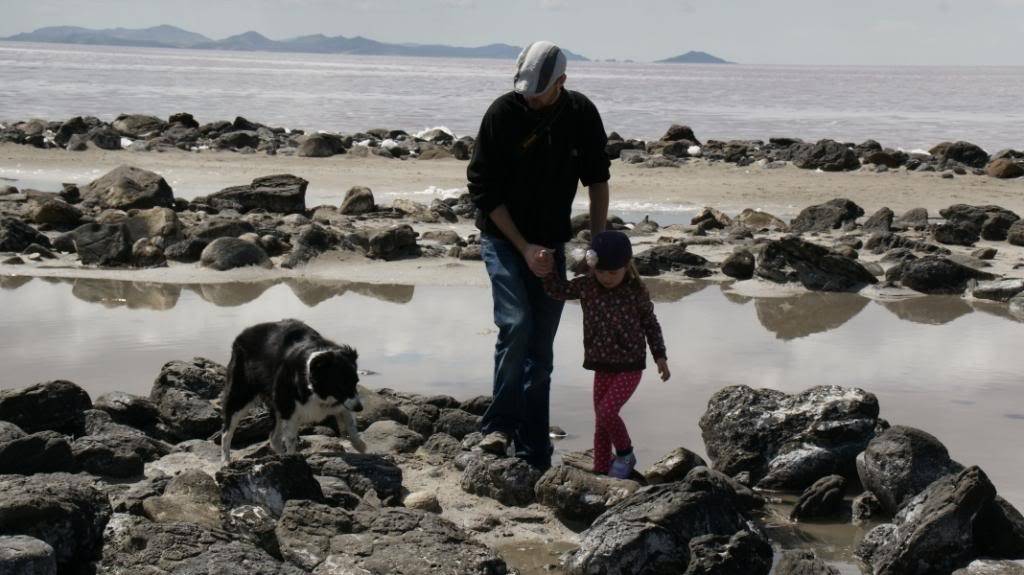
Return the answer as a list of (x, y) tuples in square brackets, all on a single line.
[(236, 381)]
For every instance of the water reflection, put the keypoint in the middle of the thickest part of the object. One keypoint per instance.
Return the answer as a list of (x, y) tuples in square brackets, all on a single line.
[(929, 310), (805, 314)]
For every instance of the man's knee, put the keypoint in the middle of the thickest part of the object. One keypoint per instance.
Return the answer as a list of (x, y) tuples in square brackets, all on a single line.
[(514, 329)]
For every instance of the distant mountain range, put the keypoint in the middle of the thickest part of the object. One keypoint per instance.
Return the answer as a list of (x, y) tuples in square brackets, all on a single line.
[(694, 58), (173, 37)]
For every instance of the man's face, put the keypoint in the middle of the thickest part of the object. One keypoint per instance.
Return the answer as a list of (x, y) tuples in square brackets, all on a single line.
[(547, 98)]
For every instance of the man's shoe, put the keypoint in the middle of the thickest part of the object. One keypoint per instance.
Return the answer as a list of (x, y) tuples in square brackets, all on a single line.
[(495, 442), (623, 466)]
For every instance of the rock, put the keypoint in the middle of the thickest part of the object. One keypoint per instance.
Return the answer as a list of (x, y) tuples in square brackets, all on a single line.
[(42, 452), (230, 253), (236, 140), (200, 376), (1004, 168), (955, 235), (743, 553), (1015, 235), (306, 529), (677, 132), (985, 253), (320, 146), (756, 220), (823, 499), (674, 466), (509, 480), (991, 567), (377, 407), (997, 225), (477, 405), (651, 530), (963, 152), (117, 454), (668, 257), (186, 548), (363, 472), (815, 433), (65, 511), (900, 463), (391, 437), (831, 215), (443, 444), (137, 125), (739, 265), (147, 255), (124, 408), (932, 533), (803, 562), (16, 235), (54, 405), (153, 223), (107, 245), (580, 496), (712, 218), (887, 157), (880, 221), (128, 187), (394, 243), (819, 268), (826, 155), (268, 481), (105, 138), (915, 219), (219, 228), (192, 497), (278, 194), (57, 213), (254, 524), (939, 275), (22, 555), (864, 507), (457, 423), (424, 501), (185, 415), (998, 290), (358, 200), (183, 118), (999, 531)]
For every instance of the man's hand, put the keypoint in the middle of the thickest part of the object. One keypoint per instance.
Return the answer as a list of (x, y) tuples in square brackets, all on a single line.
[(663, 369), (540, 259)]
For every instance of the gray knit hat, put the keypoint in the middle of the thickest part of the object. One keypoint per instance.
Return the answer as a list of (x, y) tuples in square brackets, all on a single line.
[(537, 68)]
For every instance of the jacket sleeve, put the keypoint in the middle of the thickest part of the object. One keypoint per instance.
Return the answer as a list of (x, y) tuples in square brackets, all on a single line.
[(488, 170), (562, 289), (595, 165), (652, 329)]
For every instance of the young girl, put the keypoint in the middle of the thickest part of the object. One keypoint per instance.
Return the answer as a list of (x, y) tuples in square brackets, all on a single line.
[(617, 317)]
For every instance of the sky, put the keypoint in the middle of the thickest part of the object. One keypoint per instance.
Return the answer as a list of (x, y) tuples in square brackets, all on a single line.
[(904, 32)]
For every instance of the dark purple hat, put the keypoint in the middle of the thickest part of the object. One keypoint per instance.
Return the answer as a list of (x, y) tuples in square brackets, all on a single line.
[(613, 250)]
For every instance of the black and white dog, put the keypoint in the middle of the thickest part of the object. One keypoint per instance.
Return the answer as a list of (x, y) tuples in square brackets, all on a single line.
[(301, 376)]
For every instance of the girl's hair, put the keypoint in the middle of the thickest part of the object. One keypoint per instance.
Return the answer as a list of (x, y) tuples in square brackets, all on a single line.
[(632, 274)]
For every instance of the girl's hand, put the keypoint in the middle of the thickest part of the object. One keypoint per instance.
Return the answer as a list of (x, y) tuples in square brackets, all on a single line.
[(663, 369)]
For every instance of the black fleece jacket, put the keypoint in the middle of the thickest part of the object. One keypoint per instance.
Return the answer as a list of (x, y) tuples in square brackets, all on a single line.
[(538, 182)]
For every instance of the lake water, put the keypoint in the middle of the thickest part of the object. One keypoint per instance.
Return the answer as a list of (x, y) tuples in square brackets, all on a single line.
[(909, 107)]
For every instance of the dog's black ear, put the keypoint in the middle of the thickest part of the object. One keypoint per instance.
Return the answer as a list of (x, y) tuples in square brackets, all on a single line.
[(350, 355)]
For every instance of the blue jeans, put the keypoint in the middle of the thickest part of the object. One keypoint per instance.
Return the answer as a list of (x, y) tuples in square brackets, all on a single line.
[(527, 320)]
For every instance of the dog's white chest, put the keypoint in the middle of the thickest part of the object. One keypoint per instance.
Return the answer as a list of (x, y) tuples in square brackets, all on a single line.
[(316, 409)]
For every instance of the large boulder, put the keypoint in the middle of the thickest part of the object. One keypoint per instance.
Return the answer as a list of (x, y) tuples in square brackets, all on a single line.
[(117, 454), (363, 472), (457, 423), (963, 152), (160, 223), (677, 132), (391, 437), (284, 194), (900, 463), (933, 532), (16, 235), (53, 405), (788, 441), (237, 139), (127, 409), (667, 257), (651, 530), (880, 221), (320, 146), (128, 187), (817, 268), (138, 125), (831, 215), (63, 510), (229, 253), (358, 200), (939, 275), (200, 376), (743, 553), (268, 481), (23, 555), (41, 452), (107, 245), (989, 222), (191, 496), (56, 212), (508, 480), (739, 265), (826, 155), (394, 243), (580, 496)]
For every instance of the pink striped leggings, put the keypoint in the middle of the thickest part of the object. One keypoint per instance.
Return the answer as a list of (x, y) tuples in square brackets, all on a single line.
[(611, 391)]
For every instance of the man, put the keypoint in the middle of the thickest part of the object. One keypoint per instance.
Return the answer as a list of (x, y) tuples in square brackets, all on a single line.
[(536, 144)]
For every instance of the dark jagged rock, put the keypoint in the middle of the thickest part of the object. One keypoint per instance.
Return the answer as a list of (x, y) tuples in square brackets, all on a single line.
[(42, 452), (651, 530), (394, 243), (221, 228), (939, 275), (826, 155), (128, 187), (186, 251), (669, 257), (311, 241), (677, 132), (739, 265), (305, 531), (823, 499), (320, 146), (803, 562), (457, 423), (358, 200), (965, 153), (888, 157), (880, 221), (268, 481), (57, 213), (102, 244), (138, 125), (237, 139), (864, 507), (881, 242), (933, 532), (53, 405), (831, 215), (988, 222), (817, 267), (230, 253), (63, 510), (363, 473), (999, 531), (674, 466), (125, 408), (200, 376), (283, 194), (914, 219), (580, 496), (508, 480), (191, 496), (744, 553), (954, 235), (16, 235), (117, 454), (814, 433), (444, 445), (900, 463)]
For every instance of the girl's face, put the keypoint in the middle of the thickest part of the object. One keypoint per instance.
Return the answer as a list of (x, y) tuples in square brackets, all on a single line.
[(610, 278)]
